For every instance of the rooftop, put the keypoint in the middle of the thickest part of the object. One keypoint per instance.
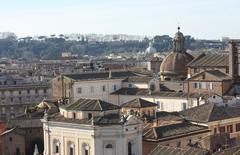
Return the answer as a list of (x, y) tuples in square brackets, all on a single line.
[(210, 60), (100, 75), (145, 92), (90, 105), (162, 132), (168, 150), (138, 103), (210, 112), (107, 119)]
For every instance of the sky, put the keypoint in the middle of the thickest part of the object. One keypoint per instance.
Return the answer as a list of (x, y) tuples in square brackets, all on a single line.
[(202, 19)]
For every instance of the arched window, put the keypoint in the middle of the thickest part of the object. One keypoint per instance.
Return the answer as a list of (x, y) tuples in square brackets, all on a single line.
[(70, 148), (109, 149), (109, 146), (56, 146), (85, 148)]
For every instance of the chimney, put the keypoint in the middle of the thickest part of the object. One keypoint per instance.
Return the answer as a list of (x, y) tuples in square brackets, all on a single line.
[(234, 68)]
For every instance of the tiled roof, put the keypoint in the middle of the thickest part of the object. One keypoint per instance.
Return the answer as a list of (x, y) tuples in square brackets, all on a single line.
[(210, 112), (100, 75), (229, 151), (210, 60), (90, 105), (138, 79), (25, 123), (167, 131), (168, 150), (107, 119), (163, 115), (216, 73), (145, 92), (138, 103)]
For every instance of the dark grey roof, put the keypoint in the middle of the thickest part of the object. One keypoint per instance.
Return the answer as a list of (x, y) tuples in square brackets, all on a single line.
[(169, 150), (145, 92), (109, 119), (90, 105), (105, 120), (172, 130), (138, 103), (210, 60), (209, 112), (100, 75), (138, 79), (169, 116)]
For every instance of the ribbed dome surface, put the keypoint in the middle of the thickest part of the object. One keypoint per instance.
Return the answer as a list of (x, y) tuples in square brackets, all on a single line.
[(175, 64)]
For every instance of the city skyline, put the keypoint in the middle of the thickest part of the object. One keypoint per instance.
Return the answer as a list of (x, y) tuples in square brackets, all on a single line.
[(154, 17)]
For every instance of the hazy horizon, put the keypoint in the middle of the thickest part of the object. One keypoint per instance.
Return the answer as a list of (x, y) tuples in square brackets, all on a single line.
[(202, 19)]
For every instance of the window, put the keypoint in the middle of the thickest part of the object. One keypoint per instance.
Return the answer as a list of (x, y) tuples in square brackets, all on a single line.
[(56, 149), (20, 99), (238, 127), (19, 92), (36, 91), (129, 148), (44, 91), (70, 149), (108, 149), (198, 85), (74, 115), (2, 92), (79, 90), (230, 128), (130, 85), (215, 130), (227, 70), (56, 145), (28, 91), (11, 99), (184, 106), (103, 88), (10, 139), (85, 149), (92, 89), (114, 87), (18, 151), (222, 129), (89, 115)]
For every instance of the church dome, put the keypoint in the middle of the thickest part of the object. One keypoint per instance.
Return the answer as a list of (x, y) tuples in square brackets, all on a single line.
[(174, 65), (150, 48)]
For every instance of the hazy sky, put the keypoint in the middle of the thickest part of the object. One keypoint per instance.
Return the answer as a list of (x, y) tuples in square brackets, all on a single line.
[(210, 19)]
